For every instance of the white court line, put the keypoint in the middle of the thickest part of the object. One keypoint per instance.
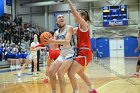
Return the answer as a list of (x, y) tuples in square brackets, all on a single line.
[(106, 84)]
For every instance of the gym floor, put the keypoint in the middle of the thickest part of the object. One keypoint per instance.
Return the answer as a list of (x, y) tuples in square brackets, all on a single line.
[(111, 75)]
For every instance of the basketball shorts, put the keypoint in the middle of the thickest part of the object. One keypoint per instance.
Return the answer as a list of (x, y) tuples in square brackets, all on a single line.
[(53, 54), (84, 57), (66, 54), (31, 57)]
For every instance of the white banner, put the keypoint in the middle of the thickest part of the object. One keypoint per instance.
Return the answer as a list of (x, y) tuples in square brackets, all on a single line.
[(7, 9)]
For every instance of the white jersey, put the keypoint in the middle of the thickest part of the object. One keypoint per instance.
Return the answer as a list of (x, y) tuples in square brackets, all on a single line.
[(61, 35), (67, 50), (33, 44), (74, 40)]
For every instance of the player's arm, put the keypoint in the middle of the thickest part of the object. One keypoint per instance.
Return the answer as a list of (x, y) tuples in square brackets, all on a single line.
[(39, 48), (75, 30), (67, 38), (78, 18), (138, 47), (54, 45), (36, 48)]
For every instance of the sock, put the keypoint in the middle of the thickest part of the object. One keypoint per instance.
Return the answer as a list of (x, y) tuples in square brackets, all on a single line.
[(47, 77), (90, 88), (75, 91), (35, 73), (20, 71), (137, 72), (95, 58), (53, 91)]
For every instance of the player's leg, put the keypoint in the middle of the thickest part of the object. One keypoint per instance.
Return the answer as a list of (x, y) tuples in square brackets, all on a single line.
[(52, 55), (85, 78), (136, 75), (138, 67), (23, 67), (48, 62), (52, 72), (74, 69), (35, 66), (61, 72)]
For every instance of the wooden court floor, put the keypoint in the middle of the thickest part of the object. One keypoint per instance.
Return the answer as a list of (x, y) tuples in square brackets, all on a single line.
[(102, 80)]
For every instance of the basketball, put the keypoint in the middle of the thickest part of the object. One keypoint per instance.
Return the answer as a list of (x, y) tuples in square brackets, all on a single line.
[(45, 35)]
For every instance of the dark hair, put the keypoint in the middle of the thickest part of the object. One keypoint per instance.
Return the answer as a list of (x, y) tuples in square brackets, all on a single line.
[(85, 13), (138, 31), (52, 32)]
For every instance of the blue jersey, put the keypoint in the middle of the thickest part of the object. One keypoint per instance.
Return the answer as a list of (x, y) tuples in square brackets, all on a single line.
[(1, 51), (17, 55), (47, 48), (8, 55), (23, 55)]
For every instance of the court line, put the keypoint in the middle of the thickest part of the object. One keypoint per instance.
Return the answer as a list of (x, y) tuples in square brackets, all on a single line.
[(106, 84)]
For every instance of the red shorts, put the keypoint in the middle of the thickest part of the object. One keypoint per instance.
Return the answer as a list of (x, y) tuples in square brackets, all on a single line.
[(53, 54), (84, 57)]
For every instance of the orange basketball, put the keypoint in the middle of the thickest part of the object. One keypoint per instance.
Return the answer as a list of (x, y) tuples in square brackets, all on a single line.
[(45, 35)]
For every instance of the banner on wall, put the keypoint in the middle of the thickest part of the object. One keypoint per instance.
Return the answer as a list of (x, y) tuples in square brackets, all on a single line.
[(7, 6), (1, 7), (9, 2)]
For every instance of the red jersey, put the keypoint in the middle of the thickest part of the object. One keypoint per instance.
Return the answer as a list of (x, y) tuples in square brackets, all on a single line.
[(83, 38)]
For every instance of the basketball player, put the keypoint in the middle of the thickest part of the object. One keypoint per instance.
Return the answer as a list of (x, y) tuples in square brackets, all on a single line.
[(53, 54), (32, 56), (138, 63), (84, 52), (62, 37)]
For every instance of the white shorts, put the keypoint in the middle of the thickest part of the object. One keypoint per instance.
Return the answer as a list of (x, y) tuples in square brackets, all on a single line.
[(30, 57), (66, 54)]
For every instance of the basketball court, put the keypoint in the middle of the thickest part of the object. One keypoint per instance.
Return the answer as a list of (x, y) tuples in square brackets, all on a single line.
[(114, 35), (103, 78)]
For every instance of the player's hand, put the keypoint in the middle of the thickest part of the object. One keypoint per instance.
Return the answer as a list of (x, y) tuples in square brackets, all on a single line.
[(44, 48), (49, 41)]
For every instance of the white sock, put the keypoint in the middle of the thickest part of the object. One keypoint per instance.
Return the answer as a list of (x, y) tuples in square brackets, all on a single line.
[(96, 58), (75, 91), (90, 88), (20, 71), (47, 77), (53, 91), (35, 73)]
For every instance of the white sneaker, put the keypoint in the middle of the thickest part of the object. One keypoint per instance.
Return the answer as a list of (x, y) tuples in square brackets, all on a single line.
[(11, 67), (53, 91), (29, 65), (14, 67), (18, 67), (35, 75), (19, 74)]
